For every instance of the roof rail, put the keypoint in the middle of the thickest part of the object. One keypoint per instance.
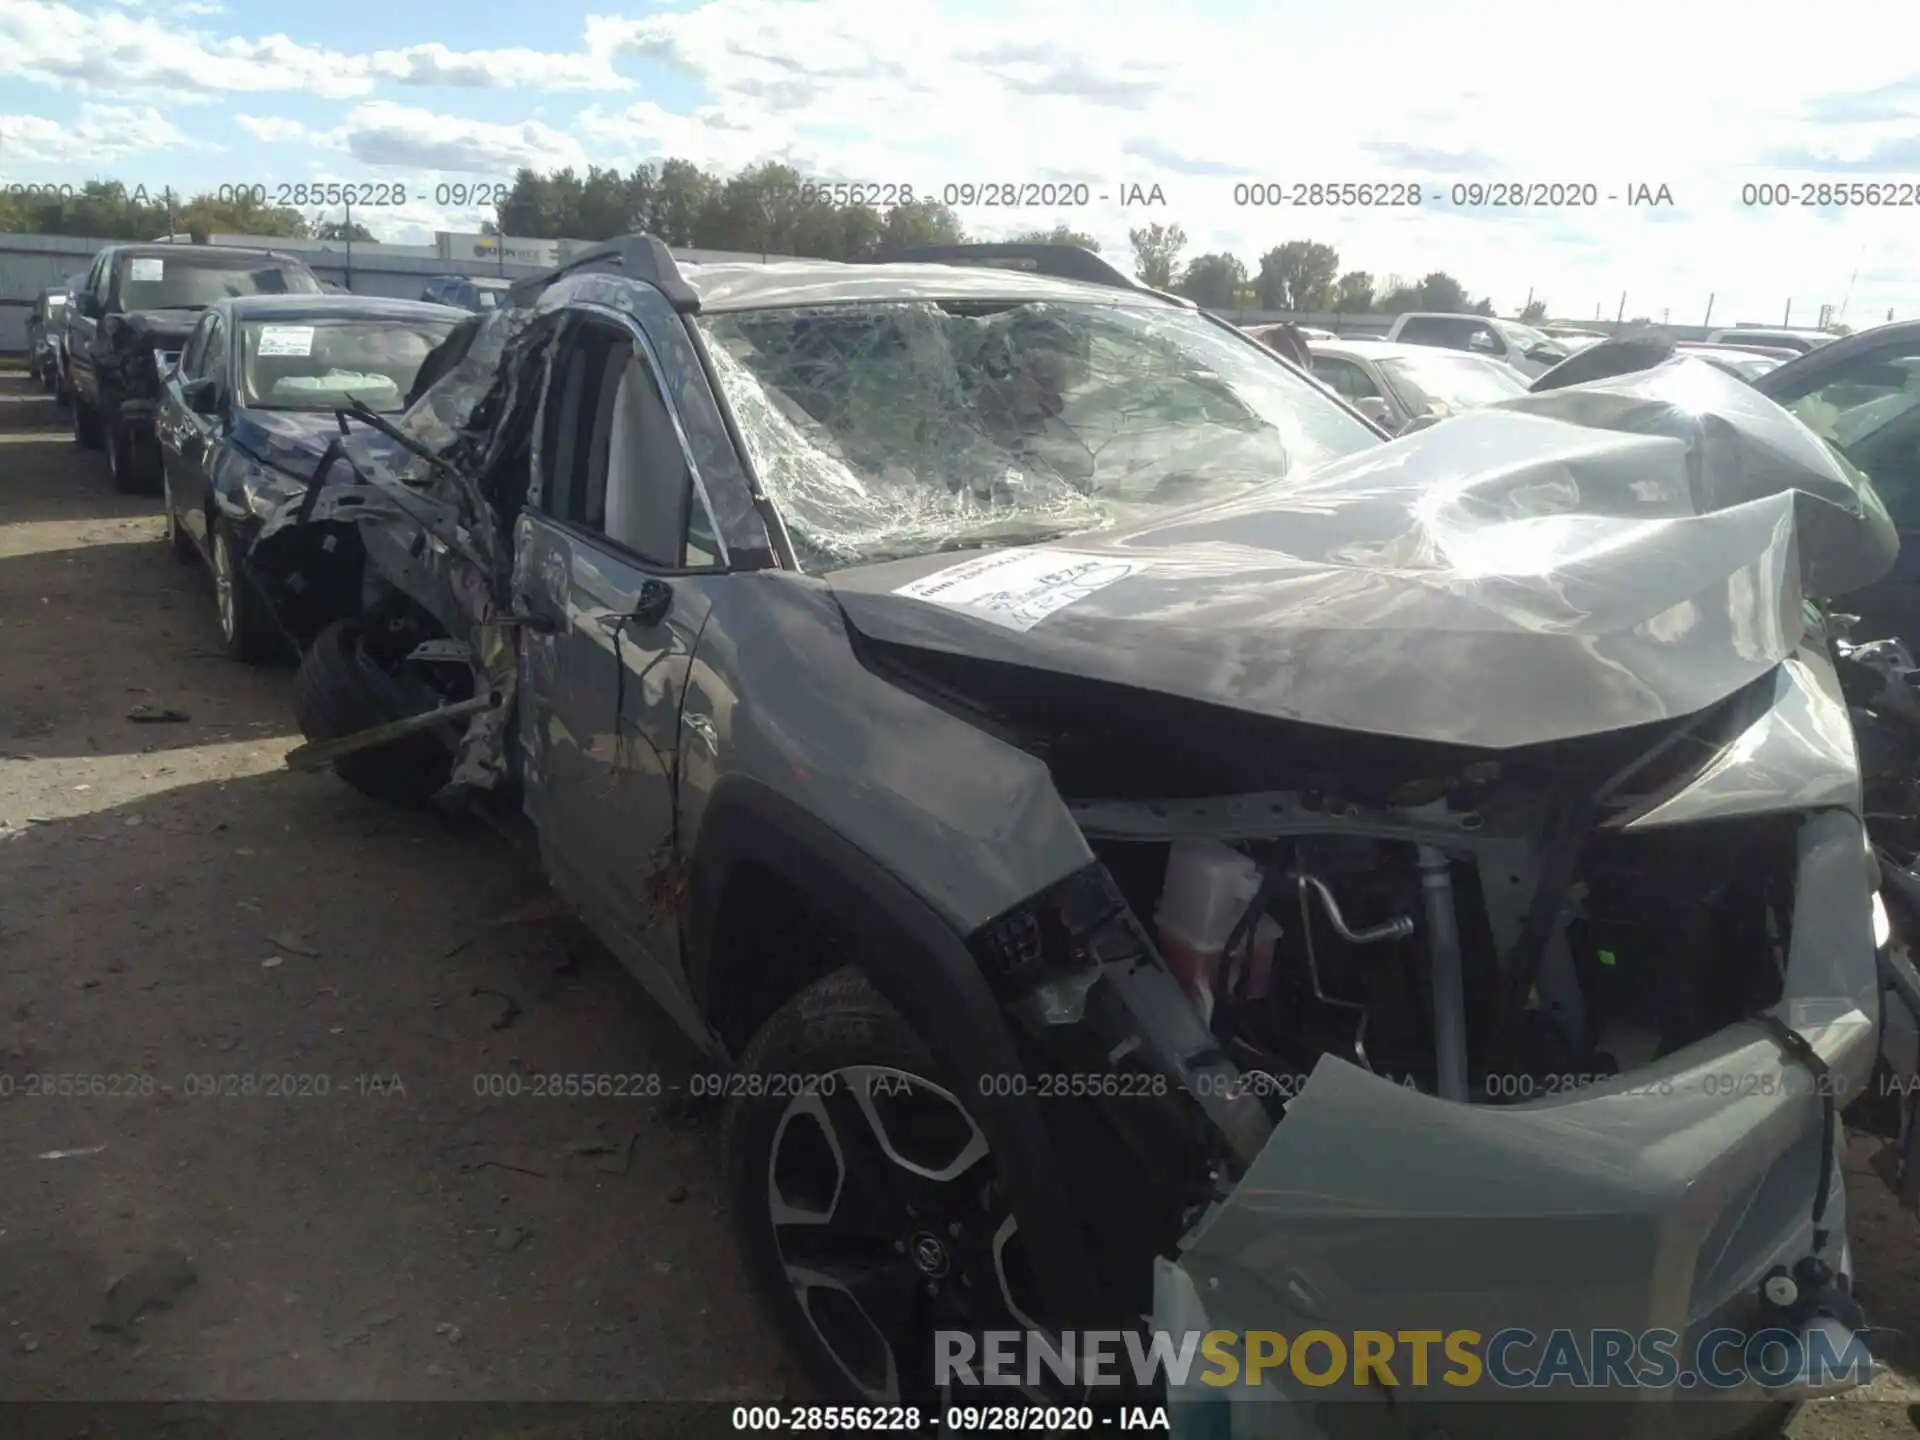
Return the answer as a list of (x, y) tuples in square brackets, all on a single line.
[(1061, 262), (640, 257)]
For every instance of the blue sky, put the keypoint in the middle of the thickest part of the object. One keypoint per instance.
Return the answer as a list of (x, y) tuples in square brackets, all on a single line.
[(1197, 97)]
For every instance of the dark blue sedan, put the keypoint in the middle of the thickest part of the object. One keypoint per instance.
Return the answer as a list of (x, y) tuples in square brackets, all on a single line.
[(249, 410)]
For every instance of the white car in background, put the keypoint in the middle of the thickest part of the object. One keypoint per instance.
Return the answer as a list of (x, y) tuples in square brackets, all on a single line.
[(1521, 346), (1798, 341), (1395, 385)]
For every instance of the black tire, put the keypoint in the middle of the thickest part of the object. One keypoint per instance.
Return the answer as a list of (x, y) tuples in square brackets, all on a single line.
[(131, 457), (86, 425), (838, 1022), (247, 629), (340, 689)]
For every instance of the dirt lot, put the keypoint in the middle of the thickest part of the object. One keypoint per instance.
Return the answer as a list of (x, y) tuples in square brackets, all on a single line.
[(175, 905), (176, 908)]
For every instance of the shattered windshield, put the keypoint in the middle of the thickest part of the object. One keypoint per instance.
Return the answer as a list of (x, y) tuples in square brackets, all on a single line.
[(895, 429)]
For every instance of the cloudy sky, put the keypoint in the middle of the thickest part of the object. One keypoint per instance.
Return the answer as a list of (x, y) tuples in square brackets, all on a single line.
[(1197, 98)]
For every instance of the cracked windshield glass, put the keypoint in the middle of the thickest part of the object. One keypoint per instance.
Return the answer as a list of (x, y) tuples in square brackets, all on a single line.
[(892, 430)]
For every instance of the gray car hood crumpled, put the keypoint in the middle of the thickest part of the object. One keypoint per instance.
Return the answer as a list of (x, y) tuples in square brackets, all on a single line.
[(1561, 564)]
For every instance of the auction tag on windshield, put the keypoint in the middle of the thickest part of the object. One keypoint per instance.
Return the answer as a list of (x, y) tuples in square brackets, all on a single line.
[(285, 340), (146, 269), (1020, 588)]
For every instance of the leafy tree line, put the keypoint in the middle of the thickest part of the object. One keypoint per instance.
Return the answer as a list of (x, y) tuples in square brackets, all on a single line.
[(1303, 276), (769, 208)]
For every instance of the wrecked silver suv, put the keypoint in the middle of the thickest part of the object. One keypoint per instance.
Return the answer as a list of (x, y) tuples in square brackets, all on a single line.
[(1151, 846)]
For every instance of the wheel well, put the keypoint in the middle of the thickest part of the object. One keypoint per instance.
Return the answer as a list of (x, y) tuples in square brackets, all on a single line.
[(771, 941)]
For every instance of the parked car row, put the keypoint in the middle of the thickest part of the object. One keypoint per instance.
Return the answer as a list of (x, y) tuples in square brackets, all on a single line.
[(1027, 734)]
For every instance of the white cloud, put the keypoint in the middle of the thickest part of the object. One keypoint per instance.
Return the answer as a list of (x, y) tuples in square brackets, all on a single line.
[(270, 128), (99, 133), (396, 136), (927, 92), (112, 52)]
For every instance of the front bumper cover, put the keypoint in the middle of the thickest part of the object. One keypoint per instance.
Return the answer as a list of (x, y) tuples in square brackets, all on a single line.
[(1658, 1200)]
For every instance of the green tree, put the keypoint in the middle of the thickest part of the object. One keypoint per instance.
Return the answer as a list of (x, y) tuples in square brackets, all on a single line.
[(1058, 235), (1156, 253), (1213, 280), (1353, 295), (339, 230), (1440, 292), (1534, 312), (1298, 276)]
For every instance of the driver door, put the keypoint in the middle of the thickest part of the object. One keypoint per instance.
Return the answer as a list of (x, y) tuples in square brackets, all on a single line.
[(613, 554)]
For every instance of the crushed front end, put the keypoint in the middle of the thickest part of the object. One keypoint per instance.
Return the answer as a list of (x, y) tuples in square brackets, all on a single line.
[(1476, 1034)]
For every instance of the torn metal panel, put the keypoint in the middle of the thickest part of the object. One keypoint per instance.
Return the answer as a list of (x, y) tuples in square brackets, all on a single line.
[(1654, 1200)]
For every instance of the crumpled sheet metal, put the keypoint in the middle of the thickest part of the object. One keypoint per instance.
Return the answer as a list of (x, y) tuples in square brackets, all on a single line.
[(1740, 446), (1556, 566)]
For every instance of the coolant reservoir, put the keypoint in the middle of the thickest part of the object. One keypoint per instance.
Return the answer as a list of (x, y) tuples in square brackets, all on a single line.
[(1208, 888)]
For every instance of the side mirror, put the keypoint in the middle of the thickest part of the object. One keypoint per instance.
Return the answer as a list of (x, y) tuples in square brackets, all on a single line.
[(1547, 354), (1481, 343), (200, 395), (1421, 422), (1376, 409)]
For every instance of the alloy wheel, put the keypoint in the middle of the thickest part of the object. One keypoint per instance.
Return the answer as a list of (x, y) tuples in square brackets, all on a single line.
[(889, 1225)]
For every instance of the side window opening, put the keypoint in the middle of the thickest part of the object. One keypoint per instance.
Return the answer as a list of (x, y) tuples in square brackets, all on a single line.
[(617, 464)]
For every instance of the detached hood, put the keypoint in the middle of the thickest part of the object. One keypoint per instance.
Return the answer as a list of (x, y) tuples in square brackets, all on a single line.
[(1560, 565)]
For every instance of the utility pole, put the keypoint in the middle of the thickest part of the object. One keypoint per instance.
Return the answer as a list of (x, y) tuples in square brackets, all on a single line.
[(1621, 317), (1707, 323), (1787, 319), (349, 244)]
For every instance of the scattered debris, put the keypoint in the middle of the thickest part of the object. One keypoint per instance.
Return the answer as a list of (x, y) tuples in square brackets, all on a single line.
[(507, 1016), (146, 714), (273, 960), (511, 1237), (503, 1165), (294, 944), (677, 1194), (71, 1154), (29, 1343), (451, 1331), (131, 821), (154, 1284), (594, 1147)]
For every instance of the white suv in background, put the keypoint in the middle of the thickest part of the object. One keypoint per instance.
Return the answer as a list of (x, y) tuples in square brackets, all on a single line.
[(1521, 346), (1797, 340)]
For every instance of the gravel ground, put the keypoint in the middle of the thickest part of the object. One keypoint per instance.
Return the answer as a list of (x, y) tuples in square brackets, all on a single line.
[(179, 913), (176, 908)]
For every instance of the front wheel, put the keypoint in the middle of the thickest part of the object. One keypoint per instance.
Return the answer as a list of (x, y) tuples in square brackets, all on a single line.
[(864, 1198), (86, 424), (342, 689)]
